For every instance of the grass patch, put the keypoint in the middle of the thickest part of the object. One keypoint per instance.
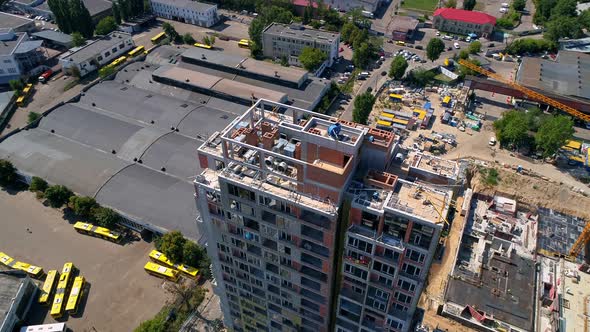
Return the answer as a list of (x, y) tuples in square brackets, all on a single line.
[(71, 85), (420, 5), (443, 78), (490, 176)]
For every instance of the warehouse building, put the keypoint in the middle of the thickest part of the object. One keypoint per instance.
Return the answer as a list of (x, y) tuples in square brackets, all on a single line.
[(186, 11), (17, 292), (97, 53), (98, 9), (18, 55)]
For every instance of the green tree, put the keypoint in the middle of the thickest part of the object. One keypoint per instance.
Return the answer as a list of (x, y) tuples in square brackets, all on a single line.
[(187, 38), (170, 31), (106, 71), (475, 47), (451, 4), (563, 27), (543, 10), (518, 5), (116, 12), (530, 45), (7, 173), (105, 217), (82, 206), (266, 15), (172, 245), (584, 19), (512, 128), (38, 184), (398, 67), (212, 40), (565, 8), (61, 13), (80, 18), (105, 26), (464, 54), (347, 29), (312, 58), (553, 134), (32, 117), (77, 39), (421, 77), (307, 15), (361, 55), (58, 195), (434, 49), (363, 105), (156, 324), (469, 4), (464, 71), (16, 85), (192, 254)]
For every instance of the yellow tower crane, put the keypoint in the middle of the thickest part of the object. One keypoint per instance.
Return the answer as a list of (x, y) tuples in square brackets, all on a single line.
[(528, 92)]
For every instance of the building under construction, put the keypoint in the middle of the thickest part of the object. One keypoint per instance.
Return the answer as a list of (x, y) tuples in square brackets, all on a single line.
[(558, 233)]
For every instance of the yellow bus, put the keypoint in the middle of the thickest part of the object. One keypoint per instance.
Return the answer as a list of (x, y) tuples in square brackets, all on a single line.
[(48, 286), (118, 61), (161, 271), (202, 46), (32, 270), (186, 270), (101, 232), (57, 309), (20, 101), (244, 43), (136, 51), (156, 39), (7, 260), (75, 295)]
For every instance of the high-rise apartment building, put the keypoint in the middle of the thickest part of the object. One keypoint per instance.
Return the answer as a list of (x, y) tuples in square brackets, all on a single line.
[(285, 206)]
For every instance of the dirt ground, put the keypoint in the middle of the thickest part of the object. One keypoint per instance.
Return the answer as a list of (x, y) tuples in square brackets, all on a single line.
[(120, 293)]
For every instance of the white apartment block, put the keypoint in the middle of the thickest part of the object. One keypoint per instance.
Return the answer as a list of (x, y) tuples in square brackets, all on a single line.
[(280, 40), (97, 53), (186, 11)]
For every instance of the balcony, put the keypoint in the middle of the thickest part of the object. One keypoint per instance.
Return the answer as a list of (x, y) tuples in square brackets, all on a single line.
[(315, 219), (391, 242), (399, 314), (352, 295), (315, 248), (314, 274), (372, 325), (362, 260), (308, 259), (362, 231), (312, 296), (312, 233), (269, 217)]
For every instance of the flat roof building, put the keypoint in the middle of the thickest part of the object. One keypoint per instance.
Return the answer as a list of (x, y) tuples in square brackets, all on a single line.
[(348, 5), (16, 23), (186, 11), (581, 45), (96, 53), (54, 38), (282, 40), (245, 66), (98, 9), (402, 28), (18, 55), (17, 292)]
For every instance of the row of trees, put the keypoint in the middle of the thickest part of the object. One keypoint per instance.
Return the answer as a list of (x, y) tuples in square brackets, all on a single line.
[(530, 45), (467, 4), (363, 105), (365, 47), (72, 16), (178, 249), (561, 19), (125, 9), (534, 129)]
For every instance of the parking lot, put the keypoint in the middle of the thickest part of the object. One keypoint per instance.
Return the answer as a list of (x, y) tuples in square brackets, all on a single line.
[(120, 294)]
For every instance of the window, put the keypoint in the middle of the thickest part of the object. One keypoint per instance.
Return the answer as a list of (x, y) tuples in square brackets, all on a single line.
[(114, 50), (12, 70), (411, 269), (107, 54), (7, 61), (403, 298), (381, 294), (384, 268), (121, 46), (359, 244), (99, 58), (415, 256), (405, 285), (355, 271)]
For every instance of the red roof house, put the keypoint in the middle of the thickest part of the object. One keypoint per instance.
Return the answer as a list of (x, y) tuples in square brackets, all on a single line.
[(465, 16), (463, 21)]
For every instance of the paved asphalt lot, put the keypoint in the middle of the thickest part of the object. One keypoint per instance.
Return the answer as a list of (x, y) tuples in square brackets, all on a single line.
[(120, 295)]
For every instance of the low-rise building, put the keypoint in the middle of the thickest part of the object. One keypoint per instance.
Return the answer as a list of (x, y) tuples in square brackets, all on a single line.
[(186, 11), (18, 55), (17, 292), (463, 21), (581, 45), (54, 39), (16, 23), (98, 9), (402, 28), (282, 40), (348, 5), (95, 54)]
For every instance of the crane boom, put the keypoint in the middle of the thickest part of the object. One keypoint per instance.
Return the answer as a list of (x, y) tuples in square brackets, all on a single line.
[(581, 241), (530, 93)]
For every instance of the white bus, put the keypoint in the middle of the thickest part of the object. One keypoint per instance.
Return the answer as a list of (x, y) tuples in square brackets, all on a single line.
[(57, 327)]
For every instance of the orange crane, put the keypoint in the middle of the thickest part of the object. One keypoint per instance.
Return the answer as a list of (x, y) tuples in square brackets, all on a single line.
[(580, 242), (530, 93)]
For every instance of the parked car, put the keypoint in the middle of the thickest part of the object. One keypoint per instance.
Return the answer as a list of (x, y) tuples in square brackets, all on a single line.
[(456, 45), (419, 47)]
